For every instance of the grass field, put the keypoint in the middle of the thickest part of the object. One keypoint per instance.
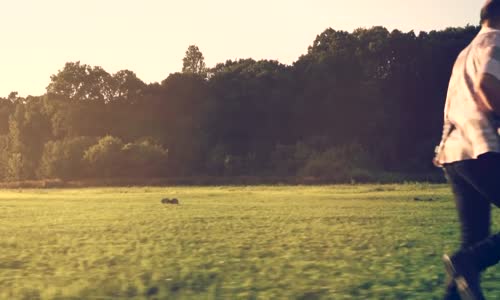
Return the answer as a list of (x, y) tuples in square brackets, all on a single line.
[(329, 242)]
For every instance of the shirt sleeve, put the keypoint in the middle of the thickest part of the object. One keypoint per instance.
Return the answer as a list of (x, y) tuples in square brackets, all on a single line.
[(489, 62)]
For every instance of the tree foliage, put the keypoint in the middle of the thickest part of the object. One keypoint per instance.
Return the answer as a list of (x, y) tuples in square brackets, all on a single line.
[(194, 62), (354, 105)]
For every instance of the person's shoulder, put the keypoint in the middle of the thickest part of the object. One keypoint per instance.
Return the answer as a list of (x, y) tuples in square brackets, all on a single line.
[(488, 39)]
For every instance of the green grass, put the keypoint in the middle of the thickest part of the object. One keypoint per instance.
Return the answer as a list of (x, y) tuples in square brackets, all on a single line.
[(329, 242)]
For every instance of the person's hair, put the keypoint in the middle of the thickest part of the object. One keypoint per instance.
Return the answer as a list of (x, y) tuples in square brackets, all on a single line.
[(490, 11)]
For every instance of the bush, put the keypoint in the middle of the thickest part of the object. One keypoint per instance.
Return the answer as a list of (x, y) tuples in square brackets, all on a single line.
[(340, 164), (143, 159), (105, 157), (111, 158), (16, 167), (216, 158), (4, 156), (287, 160), (64, 158)]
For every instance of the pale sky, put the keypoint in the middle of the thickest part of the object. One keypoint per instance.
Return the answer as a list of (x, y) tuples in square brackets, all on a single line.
[(150, 37)]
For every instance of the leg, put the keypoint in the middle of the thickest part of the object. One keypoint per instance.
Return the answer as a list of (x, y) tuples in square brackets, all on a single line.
[(474, 210), (484, 175), (474, 216)]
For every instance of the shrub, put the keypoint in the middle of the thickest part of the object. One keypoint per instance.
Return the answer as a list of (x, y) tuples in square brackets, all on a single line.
[(16, 167), (215, 163), (4, 156), (105, 157), (64, 158), (287, 160), (341, 164), (143, 159), (111, 158)]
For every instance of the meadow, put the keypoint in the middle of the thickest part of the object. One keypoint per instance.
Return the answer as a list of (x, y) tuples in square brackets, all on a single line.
[(262, 242)]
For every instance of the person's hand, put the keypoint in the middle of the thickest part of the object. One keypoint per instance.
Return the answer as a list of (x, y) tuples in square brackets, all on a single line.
[(435, 162)]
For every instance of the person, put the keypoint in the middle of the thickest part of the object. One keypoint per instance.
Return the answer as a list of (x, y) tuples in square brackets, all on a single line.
[(469, 153)]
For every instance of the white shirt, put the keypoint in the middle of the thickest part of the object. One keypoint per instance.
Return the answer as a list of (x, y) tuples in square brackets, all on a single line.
[(469, 131)]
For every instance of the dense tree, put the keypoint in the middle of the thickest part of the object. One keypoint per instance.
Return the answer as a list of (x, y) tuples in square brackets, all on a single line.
[(183, 109), (355, 106), (64, 158), (7, 106), (128, 87), (81, 82), (252, 112), (194, 62)]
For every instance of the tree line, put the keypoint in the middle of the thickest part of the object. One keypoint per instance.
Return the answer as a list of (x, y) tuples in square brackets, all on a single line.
[(357, 105)]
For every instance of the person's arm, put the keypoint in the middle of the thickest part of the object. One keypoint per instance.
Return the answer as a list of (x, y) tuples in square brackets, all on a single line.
[(488, 90)]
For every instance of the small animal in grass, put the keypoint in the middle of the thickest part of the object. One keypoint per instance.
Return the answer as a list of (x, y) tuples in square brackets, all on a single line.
[(169, 201), (424, 199)]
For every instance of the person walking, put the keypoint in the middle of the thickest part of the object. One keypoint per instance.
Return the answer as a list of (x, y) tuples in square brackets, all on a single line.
[(469, 153)]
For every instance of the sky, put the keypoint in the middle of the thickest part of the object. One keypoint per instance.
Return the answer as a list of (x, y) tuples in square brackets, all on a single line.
[(150, 37)]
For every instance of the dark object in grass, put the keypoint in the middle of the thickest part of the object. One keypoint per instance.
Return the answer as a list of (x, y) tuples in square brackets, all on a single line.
[(152, 291), (424, 199), (169, 201)]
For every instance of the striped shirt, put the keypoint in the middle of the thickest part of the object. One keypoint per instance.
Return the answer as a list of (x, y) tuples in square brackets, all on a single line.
[(469, 130)]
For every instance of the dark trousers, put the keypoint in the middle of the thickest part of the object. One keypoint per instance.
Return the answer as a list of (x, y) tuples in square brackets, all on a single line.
[(476, 185)]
